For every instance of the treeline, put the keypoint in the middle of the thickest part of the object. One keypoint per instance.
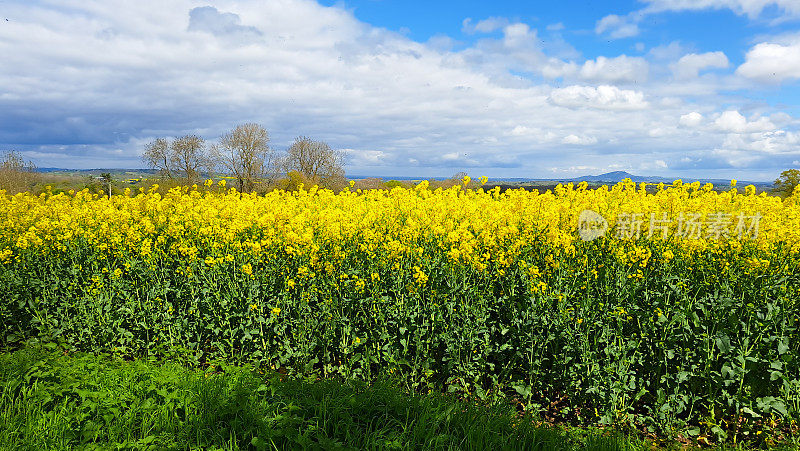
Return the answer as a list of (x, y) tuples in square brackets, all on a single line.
[(245, 155)]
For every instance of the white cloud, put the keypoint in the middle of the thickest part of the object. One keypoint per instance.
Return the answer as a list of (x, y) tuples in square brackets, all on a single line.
[(579, 140), (661, 132), (689, 66), (601, 97), (691, 120), (619, 69), (670, 102), (654, 165), (524, 130), (518, 35), (733, 121), (483, 26), (210, 20), (743, 150), (750, 8), (780, 119), (772, 62), (771, 142), (367, 157), (618, 27), (627, 26), (442, 43), (555, 68), (735, 158)]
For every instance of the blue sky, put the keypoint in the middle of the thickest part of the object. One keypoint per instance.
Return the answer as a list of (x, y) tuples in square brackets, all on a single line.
[(678, 88), (421, 20)]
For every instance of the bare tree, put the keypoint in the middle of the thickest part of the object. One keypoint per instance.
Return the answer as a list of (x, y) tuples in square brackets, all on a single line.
[(157, 155), (316, 160), (189, 156), (245, 153), (17, 174), (185, 158)]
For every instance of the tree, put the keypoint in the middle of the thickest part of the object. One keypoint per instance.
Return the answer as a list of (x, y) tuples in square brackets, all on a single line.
[(786, 183), (157, 156), (245, 154), (320, 164), (17, 174), (190, 157), (184, 157), (106, 177), (456, 179)]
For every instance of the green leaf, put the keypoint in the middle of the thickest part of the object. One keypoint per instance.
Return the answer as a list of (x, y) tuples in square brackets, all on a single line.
[(783, 345), (523, 390), (723, 343)]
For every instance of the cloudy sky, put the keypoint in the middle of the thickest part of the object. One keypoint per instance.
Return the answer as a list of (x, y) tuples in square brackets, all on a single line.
[(683, 88)]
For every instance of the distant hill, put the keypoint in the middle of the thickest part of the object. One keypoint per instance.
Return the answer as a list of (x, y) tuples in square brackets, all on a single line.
[(618, 176)]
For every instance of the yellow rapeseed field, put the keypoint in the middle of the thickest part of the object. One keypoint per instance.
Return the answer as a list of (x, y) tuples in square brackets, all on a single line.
[(475, 227), (670, 308)]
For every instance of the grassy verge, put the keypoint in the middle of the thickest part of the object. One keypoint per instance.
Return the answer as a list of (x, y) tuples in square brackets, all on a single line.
[(53, 401), (49, 400)]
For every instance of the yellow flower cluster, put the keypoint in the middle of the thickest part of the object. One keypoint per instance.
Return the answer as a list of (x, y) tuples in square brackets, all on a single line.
[(473, 227)]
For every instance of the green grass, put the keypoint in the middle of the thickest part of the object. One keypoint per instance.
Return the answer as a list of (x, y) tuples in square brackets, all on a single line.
[(53, 401)]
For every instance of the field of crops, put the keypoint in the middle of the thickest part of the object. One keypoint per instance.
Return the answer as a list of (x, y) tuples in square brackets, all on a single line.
[(680, 317)]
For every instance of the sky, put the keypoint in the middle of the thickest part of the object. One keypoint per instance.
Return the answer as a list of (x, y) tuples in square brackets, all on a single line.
[(674, 88)]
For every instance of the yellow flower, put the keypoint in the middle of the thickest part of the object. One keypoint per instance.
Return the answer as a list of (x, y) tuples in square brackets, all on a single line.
[(247, 268), (276, 311), (419, 276)]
